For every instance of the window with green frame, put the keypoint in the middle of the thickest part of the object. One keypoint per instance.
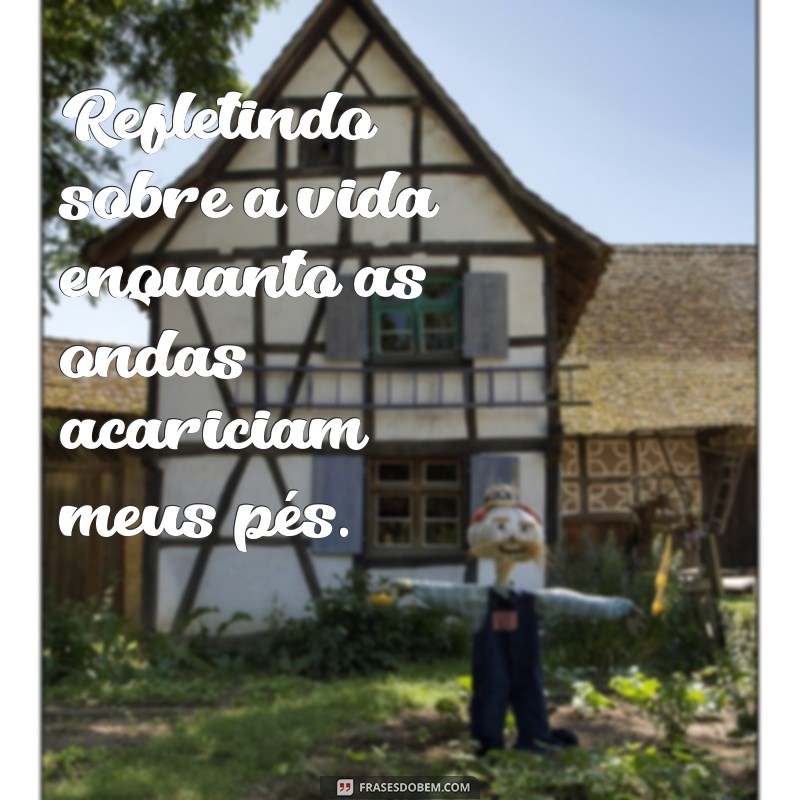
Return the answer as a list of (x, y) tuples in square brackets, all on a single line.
[(427, 325)]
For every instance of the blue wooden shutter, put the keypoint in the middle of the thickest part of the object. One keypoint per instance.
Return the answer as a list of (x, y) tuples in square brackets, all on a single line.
[(339, 481), (487, 469), (485, 315), (347, 324)]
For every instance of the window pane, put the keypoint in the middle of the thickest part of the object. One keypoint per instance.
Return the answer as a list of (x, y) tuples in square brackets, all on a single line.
[(441, 473), (394, 472), (440, 321), (394, 532), (438, 290), (395, 322), (439, 342), (321, 152), (396, 343), (441, 506), (394, 506), (441, 533)]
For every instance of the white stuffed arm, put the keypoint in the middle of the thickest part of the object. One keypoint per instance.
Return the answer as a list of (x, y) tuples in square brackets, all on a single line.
[(460, 599), (565, 602)]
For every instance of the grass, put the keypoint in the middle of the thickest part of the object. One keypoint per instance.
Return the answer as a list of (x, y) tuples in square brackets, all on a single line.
[(237, 733), (268, 726)]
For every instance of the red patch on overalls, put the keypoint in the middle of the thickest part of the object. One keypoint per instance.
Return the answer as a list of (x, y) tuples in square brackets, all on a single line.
[(504, 620)]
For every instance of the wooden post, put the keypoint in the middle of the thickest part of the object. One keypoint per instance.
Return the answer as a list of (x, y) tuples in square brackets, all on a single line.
[(132, 494), (709, 555)]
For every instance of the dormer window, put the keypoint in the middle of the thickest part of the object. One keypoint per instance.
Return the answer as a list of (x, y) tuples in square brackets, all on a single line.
[(321, 153)]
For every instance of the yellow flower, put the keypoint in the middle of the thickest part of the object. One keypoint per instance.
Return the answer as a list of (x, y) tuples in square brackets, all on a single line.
[(657, 608), (380, 599)]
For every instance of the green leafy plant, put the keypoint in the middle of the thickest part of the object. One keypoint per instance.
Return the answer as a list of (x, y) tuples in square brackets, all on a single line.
[(587, 699), (634, 772), (97, 653), (672, 641), (672, 704), (69, 762), (346, 634), (737, 670), (88, 639)]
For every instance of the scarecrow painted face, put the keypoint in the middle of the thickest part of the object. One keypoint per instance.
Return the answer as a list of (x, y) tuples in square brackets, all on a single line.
[(506, 532)]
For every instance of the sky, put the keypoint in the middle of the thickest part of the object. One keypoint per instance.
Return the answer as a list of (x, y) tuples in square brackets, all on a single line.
[(635, 119)]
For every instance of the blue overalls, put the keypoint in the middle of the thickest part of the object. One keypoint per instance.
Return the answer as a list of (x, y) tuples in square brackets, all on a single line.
[(506, 669)]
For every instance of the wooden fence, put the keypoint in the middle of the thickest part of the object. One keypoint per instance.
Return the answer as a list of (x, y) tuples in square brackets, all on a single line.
[(81, 567)]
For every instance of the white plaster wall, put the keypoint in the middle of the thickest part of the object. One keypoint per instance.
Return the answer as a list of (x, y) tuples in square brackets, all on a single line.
[(470, 210), (230, 319), (181, 398), (233, 230), (518, 421), (532, 480), (331, 569), (420, 425), (262, 581), (286, 319), (352, 87), (383, 74), (379, 230), (348, 32), (526, 356), (349, 266), (328, 414), (173, 570), (194, 479), (322, 230), (439, 146), (420, 259), (442, 572), (256, 154), (526, 308), (317, 75), (399, 387), (391, 145), (325, 383), (256, 487), (176, 314), (243, 388), (528, 386)]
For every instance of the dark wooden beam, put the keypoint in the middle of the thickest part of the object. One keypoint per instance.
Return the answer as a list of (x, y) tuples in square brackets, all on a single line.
[(269, 176), (193, 257), (223, 506)]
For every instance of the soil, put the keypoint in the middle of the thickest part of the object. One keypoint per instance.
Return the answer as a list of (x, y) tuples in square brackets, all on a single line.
[(113, 728), (423, 735)]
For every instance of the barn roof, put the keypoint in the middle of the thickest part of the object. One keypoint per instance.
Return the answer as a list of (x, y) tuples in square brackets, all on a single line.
[(111, 395), (580, 256), (670, 341)]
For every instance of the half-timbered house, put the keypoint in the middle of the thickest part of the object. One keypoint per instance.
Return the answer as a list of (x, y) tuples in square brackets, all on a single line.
[(455, 389), (668, 346)]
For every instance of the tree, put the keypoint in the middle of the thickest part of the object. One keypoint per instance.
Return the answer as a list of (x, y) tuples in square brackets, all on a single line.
[(151, 49)]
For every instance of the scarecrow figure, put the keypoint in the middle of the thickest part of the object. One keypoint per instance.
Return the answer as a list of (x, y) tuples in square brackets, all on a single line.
[(506, 666)]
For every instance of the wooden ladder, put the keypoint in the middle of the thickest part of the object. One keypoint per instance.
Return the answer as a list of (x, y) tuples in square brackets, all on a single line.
[(719, 513), (725, 491)]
